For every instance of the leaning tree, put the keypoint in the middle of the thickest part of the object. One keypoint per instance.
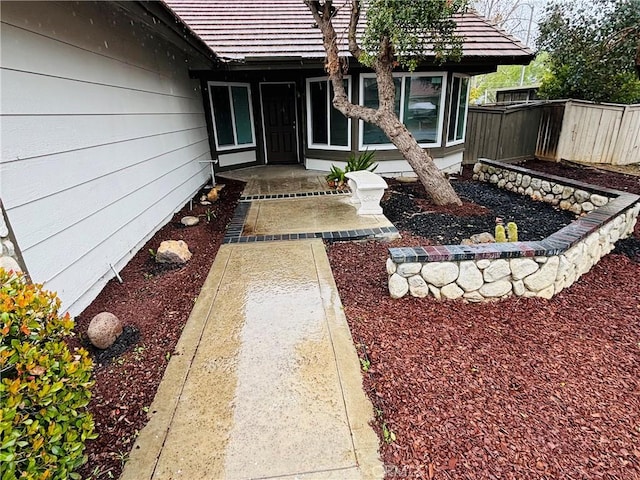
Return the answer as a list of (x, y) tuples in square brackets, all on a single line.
[(397, 33)]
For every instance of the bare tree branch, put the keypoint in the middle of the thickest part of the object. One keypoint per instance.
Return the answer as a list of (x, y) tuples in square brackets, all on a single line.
[(354, 48)]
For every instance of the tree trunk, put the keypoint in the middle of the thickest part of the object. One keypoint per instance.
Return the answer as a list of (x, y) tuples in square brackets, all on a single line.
[(434, 182)]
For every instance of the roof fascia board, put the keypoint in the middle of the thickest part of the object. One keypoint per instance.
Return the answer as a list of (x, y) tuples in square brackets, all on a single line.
[(172, 28)]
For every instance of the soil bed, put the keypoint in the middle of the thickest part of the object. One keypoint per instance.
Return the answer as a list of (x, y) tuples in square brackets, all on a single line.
[(154, 303), (408, 208), (516, 389)]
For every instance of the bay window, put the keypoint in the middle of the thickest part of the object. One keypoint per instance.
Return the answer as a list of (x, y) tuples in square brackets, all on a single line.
[(419, 102), (458, 110)]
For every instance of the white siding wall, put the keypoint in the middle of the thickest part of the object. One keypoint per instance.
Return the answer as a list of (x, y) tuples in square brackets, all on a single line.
[(102, 135)]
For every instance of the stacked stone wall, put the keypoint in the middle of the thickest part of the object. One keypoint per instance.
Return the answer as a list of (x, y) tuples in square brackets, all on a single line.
[(567, 197), (527, 269)]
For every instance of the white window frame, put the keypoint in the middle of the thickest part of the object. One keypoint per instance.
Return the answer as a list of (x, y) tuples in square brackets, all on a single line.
[(451, 110), (235, 145), (391, 146), (327, 146)]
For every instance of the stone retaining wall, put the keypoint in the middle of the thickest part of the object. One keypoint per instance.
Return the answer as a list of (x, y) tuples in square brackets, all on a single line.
[(9, 257), (528, 269), (577, 200)]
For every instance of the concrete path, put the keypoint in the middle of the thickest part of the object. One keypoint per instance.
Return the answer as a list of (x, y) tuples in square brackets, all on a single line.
[(265, 382)]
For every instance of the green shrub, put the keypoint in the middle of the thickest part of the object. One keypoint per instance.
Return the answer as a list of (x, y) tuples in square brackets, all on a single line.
[(44, 390), (336, 174), (364, 161)]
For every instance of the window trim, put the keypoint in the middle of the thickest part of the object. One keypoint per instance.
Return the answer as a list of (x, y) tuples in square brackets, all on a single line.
[(390, 146), (235, 145), (327, 146), (466, 112)]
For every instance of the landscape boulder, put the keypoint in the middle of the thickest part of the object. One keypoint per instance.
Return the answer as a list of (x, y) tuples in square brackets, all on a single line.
[(104, 329), (189, 221), (173, 251)]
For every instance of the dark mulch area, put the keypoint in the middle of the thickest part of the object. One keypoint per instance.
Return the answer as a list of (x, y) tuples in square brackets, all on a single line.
[(517, 389), (154, 303), (409, 209)]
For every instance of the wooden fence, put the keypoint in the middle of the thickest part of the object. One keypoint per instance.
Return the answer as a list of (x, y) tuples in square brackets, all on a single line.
[(502, 132), (600, 133), (560, 130)]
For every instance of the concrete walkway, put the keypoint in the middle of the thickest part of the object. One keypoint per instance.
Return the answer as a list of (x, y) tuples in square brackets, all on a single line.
[(265, 382)]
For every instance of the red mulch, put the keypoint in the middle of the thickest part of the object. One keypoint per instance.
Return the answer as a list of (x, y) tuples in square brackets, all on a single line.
[(517, 389), (523, 388), (154, 303)]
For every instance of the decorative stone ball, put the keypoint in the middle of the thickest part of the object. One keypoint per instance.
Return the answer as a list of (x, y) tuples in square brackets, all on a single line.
[(104, 329)]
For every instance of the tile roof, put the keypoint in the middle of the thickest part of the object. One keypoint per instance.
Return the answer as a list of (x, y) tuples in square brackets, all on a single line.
[(246, 30)]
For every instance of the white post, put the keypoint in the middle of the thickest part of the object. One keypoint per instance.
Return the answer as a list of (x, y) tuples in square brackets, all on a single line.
[(211, 163)]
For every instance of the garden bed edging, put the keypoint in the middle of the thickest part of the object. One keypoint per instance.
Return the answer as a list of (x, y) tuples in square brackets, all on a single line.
[(544, 268)]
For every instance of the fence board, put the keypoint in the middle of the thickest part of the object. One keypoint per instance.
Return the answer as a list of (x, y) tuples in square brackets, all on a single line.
[(551, 118), (627, 148), (572, 130), (506, 133)]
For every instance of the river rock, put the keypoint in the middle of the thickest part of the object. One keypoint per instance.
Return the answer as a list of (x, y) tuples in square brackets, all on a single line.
[(408, 269), (484, 237), (521, 267), (497, 270), (470, 277), (418, 287), (440, 274), (544, 277), (189, 221), (581, 196), (9, 263), (451, 291), (391, 266), (398, 286), (173, 251), (495, 289), (104, 329)]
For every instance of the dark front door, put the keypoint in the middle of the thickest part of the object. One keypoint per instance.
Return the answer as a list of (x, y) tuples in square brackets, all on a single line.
[(279, 104)]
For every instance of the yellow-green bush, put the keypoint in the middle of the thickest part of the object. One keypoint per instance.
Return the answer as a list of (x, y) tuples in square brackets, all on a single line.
[(45, 388)]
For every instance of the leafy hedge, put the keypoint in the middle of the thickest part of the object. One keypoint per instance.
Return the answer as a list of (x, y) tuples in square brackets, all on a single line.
[(44, 389)]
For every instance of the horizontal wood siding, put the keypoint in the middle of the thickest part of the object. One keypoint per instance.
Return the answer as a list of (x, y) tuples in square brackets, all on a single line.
[(103, 133)]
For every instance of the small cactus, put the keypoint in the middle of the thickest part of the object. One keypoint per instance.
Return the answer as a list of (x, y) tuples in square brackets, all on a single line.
[(512, 231), (500, 233)]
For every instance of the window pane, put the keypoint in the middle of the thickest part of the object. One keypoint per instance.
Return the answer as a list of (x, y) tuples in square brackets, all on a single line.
[(242, 113), (318, 105), (338, 122), (372, 135), (462, 109), (453, 115), (222, 114), (422, 107)]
